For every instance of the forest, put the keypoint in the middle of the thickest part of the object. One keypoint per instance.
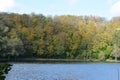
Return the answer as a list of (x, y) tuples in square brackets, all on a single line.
[(59, 37)]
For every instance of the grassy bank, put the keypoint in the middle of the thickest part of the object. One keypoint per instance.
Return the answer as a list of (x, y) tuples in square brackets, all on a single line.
[(112, 60), (41, 60)]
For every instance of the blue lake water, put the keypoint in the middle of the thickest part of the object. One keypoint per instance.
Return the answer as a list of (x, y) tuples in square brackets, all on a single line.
[(77, 71)]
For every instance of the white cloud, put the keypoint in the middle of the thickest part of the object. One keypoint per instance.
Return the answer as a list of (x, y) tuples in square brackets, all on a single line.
[(115, 9), (7, 4), (73, 2), (53, 7), (110, 1)]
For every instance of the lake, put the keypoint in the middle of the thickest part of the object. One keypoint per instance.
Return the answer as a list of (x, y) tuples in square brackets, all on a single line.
[(63, 71)]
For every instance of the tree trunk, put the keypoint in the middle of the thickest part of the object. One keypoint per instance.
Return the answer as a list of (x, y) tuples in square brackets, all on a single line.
[(115, 58)]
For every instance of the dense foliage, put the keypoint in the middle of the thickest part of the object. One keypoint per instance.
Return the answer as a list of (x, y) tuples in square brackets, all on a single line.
[(66, 36), (4, 69)]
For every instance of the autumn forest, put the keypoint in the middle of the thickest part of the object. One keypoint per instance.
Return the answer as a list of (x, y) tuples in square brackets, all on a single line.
[(59, 37)]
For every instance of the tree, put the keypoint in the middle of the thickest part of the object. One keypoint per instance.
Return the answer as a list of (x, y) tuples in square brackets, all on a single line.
[(66, 36), (116, 47), (116, 52)]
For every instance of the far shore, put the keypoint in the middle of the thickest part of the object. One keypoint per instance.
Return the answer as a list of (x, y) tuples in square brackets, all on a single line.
[(43, 60)]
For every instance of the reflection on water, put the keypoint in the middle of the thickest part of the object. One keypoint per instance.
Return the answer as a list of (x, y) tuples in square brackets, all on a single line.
[(82, 71)]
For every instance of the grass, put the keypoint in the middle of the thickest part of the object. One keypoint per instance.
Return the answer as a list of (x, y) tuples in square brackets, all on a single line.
[(112, 60), (44, 60)]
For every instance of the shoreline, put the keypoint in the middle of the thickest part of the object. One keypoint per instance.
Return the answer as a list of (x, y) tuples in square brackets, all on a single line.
[(43, 60)]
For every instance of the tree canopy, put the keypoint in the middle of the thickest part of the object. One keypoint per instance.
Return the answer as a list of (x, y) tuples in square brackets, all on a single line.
[(65, 36)]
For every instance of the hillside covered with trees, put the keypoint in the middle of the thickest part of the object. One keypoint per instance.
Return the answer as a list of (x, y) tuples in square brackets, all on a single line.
[(65, 36)]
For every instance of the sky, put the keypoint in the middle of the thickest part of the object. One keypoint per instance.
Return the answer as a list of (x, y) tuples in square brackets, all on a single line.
[(102, 8)]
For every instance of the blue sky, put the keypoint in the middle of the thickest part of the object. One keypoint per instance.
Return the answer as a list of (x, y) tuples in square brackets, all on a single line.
[(103, 8)]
